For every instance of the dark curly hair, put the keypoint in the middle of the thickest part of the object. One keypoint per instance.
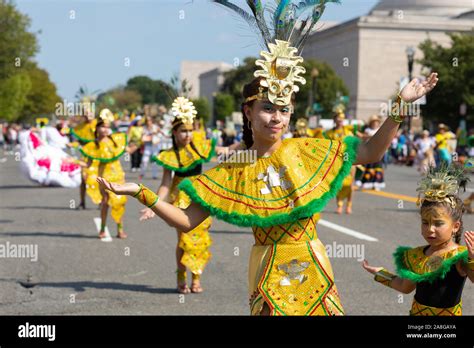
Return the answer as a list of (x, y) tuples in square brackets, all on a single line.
[(455, 212)]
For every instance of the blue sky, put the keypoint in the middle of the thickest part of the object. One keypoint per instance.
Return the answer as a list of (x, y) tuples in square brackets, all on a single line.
[(102, 43)]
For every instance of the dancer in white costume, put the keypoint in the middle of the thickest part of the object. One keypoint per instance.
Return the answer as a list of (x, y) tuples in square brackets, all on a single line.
[(46, 164)]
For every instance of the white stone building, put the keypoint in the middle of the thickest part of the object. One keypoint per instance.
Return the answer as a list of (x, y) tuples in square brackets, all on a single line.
[(211, 82), (190, 71), (368, 52)]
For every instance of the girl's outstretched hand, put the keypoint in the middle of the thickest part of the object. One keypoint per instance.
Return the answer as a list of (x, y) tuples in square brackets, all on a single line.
[(469, 239), (369, 268), (147, 214), (128, 188)]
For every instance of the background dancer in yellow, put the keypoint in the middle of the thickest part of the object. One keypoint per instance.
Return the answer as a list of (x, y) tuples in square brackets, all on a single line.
[(185, 160), (291, 180), (339, 132), (436, 271), (103, 159)]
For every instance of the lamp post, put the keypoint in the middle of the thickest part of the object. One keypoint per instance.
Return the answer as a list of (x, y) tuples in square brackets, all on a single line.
[(410, 51), (312, 93)]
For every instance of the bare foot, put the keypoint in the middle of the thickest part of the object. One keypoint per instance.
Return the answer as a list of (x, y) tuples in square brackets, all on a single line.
[(128, 188), (102, 234), (122, 235), (339, 210), (183, 288), (348, 210), (196, 287)]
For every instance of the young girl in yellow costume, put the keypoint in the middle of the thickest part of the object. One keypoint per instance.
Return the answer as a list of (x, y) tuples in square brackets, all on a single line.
[(436, 271), (185, 160), (103, 159), (290, 182), (302, 130), (340, 132), (84, 133)]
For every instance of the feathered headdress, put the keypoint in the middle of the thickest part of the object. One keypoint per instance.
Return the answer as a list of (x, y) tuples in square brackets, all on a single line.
[(442, 184), (107, 116), (339, 110), (284, 29), (184, 111)]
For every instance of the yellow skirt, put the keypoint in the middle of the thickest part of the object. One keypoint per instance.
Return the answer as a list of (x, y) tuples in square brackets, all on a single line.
[(418, 309), (293, 279), (196, 242), (113, 172)]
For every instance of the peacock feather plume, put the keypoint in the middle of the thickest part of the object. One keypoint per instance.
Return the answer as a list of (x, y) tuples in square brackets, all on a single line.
[(285, 20)]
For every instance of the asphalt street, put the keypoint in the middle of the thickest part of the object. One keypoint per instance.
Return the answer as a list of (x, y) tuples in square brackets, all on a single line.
[(77, 274)]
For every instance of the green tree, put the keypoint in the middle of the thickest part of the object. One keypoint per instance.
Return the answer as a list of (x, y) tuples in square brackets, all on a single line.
[(42, 97), (236, 79), (17, 44), (17, 47), (223, 105), (123, 99), (13, 92), (455, 66), (329, 86), (151, 91), (203, 109)]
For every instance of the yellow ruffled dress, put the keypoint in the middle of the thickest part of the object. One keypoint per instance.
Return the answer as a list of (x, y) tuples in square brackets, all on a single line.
[(84, 132), (436, 278), (195, 243), (109, 154), (280, 197)]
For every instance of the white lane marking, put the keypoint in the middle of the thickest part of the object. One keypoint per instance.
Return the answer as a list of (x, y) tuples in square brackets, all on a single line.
[(347, 231), (107, 237)]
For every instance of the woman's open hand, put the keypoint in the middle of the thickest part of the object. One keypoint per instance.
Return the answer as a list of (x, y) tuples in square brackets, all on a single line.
[(415, 89)]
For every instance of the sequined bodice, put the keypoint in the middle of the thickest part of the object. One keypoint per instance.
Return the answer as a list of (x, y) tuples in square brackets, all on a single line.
[(302, 230)]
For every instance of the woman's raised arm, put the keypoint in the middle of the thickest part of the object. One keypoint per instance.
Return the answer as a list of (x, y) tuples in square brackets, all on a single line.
[(373, 150)]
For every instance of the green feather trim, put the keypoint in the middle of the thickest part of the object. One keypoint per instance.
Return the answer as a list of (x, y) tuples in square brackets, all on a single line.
[(106, 160), (81, 139), (430, 277), (307, 210), (191, 166)]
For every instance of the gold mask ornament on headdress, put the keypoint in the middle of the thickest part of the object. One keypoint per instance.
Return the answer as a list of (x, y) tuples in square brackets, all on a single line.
[(184, 111), (280, 73)]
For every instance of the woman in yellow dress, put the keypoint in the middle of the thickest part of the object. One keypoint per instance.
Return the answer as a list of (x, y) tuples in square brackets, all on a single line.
[(278, 194), (190, 150), (339, 132), (103, 159)]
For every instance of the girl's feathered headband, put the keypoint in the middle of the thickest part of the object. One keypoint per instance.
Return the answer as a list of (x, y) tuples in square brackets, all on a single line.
[(442, 184), (284, 36)]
